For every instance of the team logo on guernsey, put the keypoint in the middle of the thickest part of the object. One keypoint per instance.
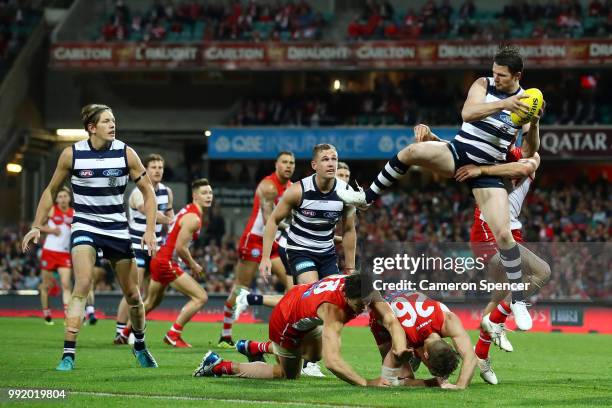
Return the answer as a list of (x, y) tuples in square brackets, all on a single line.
[(86, 173), (112, 172), (504, 117), (112, 181)]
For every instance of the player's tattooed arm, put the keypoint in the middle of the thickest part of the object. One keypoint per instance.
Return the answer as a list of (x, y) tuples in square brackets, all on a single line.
[(139, 175), (267, 193), (399, 346), (45, 204), (522, 168), (454, 329), (290, 200), (332, 318)]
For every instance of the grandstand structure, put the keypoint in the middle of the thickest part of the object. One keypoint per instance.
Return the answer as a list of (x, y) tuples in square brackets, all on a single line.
[(220, 89)]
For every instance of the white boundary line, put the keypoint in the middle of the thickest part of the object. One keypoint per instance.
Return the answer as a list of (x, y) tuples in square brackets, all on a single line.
[(237, 401)]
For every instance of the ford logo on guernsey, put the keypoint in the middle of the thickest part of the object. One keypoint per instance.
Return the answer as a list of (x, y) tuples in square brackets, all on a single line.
[(86, 173), (112, 172), (506, 119), (331, 214)]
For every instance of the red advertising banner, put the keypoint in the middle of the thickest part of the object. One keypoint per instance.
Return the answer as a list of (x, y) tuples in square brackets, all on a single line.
[(323, 55)]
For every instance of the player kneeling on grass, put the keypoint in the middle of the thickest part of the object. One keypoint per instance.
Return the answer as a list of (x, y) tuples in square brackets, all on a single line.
[(295, 331), (425, 323)]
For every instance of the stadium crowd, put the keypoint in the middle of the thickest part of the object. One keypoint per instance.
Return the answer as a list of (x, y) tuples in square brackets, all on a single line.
[(514, 19), (198, 21), (570, 220), (17, 20)]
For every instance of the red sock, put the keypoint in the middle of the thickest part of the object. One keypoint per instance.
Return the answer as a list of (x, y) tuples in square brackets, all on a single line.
[(483, 345), (257, 347), (500, 313), (228, 320), (176, 329), (224, 367)]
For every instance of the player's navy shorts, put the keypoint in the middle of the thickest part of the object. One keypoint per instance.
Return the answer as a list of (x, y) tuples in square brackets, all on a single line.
[(459, 151), (143, 259), (112, 248), (282, 254), (301, 261)]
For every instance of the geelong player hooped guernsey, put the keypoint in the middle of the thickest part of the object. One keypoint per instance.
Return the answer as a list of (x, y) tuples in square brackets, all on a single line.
[(99, 178), (138, 220), (314, 221), (488, 139)]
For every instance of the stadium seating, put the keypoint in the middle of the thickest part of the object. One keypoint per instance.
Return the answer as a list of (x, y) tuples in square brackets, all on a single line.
[(193, 22), (514, 19)]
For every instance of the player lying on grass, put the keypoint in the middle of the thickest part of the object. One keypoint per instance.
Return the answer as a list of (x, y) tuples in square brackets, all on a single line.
[(295, 331), (425, 323)]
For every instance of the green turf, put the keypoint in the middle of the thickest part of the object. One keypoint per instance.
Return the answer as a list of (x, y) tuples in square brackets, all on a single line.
[(547, 369)]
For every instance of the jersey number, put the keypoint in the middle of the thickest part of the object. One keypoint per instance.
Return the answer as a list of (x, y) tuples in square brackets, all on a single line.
[(402, 308), (326, 286)]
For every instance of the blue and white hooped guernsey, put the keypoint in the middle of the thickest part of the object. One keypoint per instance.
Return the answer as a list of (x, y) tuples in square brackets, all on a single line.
[(488, 139), (138, 220), (99, 178), (314, 221)]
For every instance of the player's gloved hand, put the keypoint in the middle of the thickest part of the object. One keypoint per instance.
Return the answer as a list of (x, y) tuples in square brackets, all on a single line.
[(265, 268), (514, 104), (467, 172), (196, 269), (150, 240), (32, 235)]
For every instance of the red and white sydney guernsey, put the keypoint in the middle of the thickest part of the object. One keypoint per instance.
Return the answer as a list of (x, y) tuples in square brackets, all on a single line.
[(56, 249), (167, 250), (251, 241), (419, 316), (61, 220), (164, 268), (481, 238), (296, 313)]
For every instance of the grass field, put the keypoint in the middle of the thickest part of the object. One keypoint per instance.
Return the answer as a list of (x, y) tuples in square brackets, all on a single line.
[(546, 369)]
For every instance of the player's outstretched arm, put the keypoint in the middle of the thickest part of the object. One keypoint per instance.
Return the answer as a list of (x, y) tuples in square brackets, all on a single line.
[(332, 327), (521, 168), (290, 200), (399, 346), (62, 171), (475, 108), (140, 177), (349, 238), (454, 329), (189, 224)]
